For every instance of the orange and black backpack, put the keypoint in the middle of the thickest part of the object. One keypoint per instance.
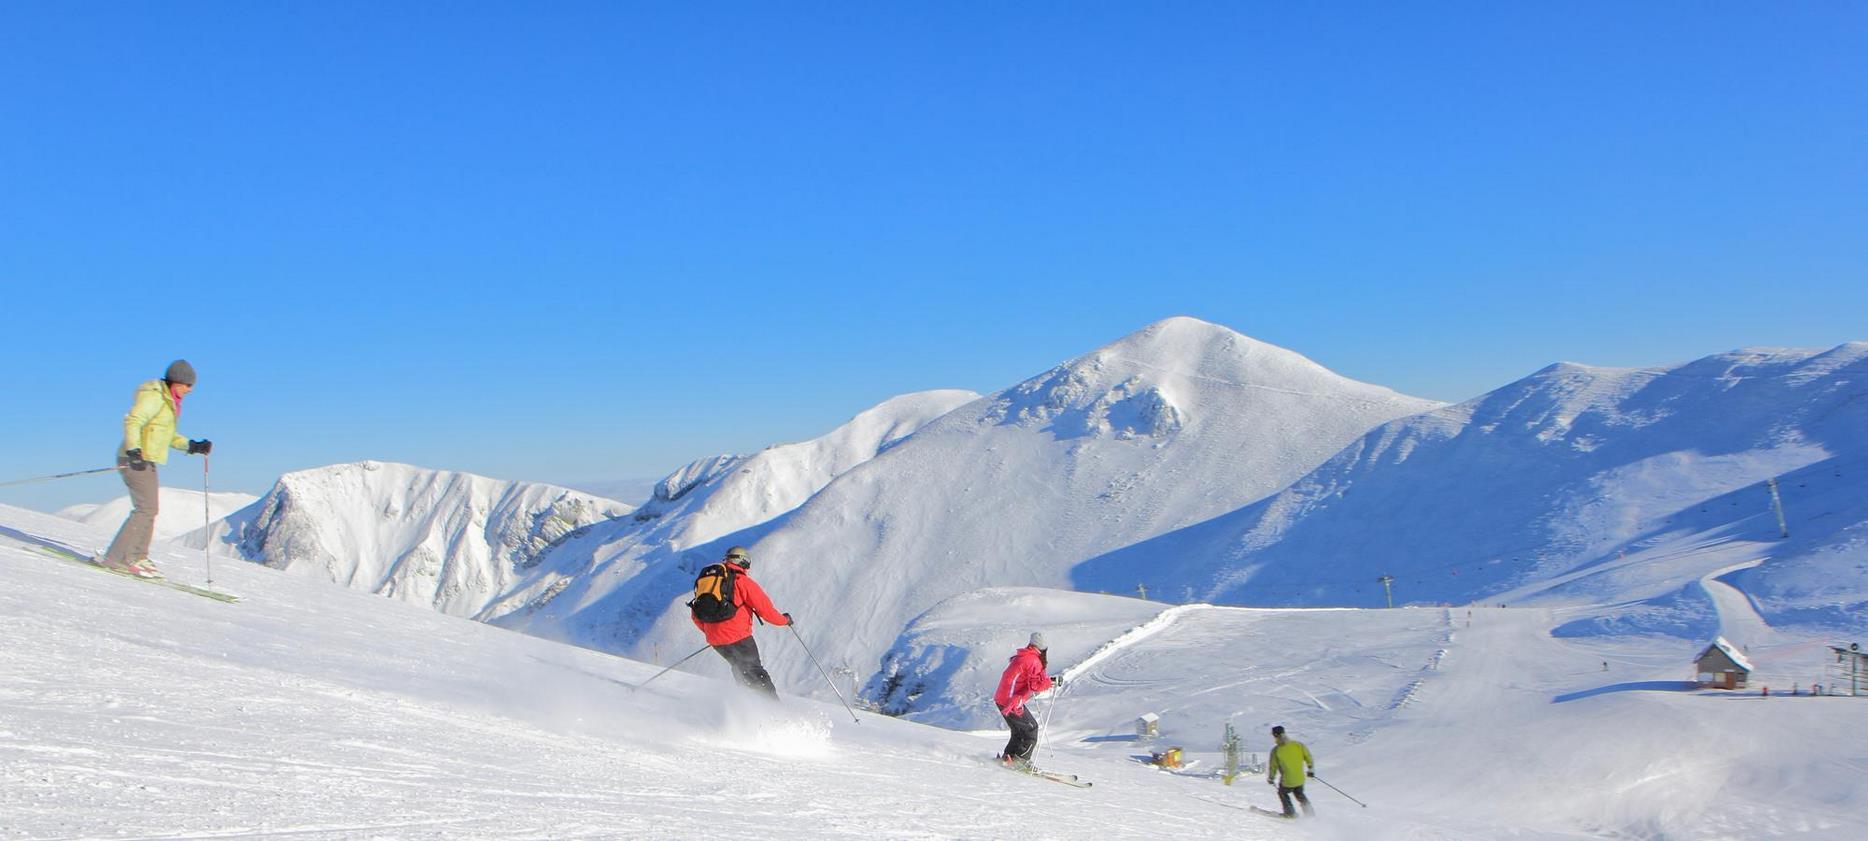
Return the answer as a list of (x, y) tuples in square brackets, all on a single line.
[(713, 593)]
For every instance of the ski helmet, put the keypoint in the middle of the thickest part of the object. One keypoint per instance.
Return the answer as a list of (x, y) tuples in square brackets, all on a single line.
[(1037, 641), (739, 554)]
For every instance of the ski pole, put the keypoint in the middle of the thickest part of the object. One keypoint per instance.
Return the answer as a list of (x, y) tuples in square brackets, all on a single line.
[(1044, 727), (60, 476), (207, 519), (820, 670), (1339, 791), (671, 667)]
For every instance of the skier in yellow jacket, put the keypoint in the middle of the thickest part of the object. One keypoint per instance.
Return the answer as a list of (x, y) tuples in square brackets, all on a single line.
[(1290, 759), (148, 435)]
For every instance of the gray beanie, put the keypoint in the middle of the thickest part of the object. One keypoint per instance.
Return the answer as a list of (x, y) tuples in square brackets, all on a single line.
[(1037, 641), (180, 372)]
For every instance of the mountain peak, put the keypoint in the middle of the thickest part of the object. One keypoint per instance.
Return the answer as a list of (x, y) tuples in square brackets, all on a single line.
[(1188, 346), (1147, 384), (1143, 385), (1177, 337), (1186, 325)]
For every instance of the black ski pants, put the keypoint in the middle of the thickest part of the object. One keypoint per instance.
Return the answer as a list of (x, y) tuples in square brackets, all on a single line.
[(1024, 734), (743, 656), (1285, 793)]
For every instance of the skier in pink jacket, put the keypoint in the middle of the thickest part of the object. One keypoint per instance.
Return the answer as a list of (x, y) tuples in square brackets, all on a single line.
[(1023, 678)]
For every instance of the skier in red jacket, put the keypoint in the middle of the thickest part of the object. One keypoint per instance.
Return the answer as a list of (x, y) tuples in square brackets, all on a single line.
[(733, 637), (1023, 678)]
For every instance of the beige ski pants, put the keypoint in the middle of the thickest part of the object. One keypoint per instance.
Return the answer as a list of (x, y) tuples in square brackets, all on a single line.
[(132, 541)]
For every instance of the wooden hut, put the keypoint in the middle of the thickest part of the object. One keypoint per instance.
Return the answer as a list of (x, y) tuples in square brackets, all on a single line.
[(1721, 666)]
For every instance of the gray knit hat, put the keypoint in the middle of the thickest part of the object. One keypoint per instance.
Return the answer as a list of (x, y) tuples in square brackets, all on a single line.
[(1037, 641), (180, 372)]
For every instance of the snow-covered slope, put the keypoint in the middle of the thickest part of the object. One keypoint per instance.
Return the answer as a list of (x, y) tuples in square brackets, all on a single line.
[(1175, 423), (944, 667), (178, 511), (319, 713), (1588, 484), (447, 540), (723, 494), (708, 500)]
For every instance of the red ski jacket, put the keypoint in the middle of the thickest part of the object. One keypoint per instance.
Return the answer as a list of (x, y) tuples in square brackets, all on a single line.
[(751, 599), (1024, 678)]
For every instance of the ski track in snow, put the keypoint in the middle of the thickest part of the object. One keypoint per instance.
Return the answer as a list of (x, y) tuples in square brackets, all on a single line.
[(1739, 621)]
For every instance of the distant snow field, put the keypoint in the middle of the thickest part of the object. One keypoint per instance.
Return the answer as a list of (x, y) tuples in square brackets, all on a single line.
[(178, 511)]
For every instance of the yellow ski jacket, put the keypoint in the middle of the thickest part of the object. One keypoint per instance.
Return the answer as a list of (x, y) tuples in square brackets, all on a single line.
[(1289, 759), (150, 425)]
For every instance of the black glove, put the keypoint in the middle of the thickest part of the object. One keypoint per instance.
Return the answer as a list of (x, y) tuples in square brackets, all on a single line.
[(1310, 773), (200, 448), (136, 459), (789, 620)]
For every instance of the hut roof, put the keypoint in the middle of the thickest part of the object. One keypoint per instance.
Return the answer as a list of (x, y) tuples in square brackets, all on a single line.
[(1730, 650)]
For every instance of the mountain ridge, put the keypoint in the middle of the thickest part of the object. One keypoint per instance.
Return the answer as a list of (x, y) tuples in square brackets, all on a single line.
[(444, 539), (1014, 488), (1569, 466)]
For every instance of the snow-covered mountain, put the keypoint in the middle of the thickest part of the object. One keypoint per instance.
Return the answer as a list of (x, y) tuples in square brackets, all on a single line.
[(447, 540), (1170, 425), (705, 501), (1587, 484), (724, 494), (178, 511)]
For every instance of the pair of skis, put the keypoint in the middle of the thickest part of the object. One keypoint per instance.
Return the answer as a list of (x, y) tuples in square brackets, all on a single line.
[(1071, 780), (1248, 808), (65, 553)]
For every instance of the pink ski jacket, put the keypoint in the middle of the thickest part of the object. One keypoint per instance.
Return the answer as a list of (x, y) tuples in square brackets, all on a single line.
[(1024, 678)]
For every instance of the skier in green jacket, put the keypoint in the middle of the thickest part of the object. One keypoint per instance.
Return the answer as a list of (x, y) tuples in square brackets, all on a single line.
[(1290, 759), (148, 435)]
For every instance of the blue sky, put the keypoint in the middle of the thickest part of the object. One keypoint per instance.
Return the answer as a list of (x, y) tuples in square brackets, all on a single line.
[(585, 241)]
